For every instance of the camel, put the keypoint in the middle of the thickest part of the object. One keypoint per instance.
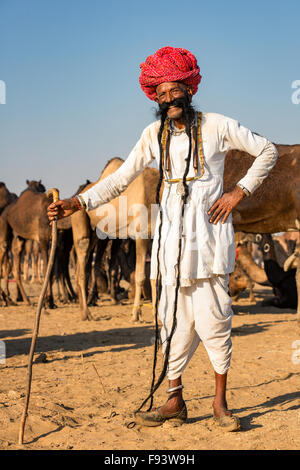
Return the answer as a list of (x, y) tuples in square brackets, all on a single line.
[(283, 283), (26, 218), (6, 197), (140, 192), (275, 206), (246, 270), (84, 243), (245, 259), (239, 280)]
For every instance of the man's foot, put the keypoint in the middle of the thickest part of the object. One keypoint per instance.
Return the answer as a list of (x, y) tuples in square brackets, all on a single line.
[(158, 416), (173, 405), (224, 418)]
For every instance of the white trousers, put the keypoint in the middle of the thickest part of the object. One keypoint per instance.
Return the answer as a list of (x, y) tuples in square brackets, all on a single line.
[(203, 313)]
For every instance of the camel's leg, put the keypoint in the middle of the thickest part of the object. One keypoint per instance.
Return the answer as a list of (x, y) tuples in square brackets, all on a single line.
[(67, 281), (73, 258), (71, 292), (16, 248), (7, 268), (63, 290), (82, 250), (62, 270), (4, 243), (27, 256), (141, 246), (98, 284), (113, 269), (49, 302), (90, 276), (36, 273), (40, 268), (154, 293), (58, 288), (3, 273), (251, 296)]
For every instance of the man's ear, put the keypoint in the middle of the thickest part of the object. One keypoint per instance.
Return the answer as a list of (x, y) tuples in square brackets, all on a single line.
[(190, 94)]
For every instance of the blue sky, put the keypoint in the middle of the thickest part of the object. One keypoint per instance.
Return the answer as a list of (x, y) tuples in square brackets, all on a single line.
[(71, 69)]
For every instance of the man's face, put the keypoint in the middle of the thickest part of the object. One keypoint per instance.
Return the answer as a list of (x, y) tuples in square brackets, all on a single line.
[(169, 91)]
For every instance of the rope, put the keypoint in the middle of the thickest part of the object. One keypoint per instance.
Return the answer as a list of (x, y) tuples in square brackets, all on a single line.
[(154, 386)]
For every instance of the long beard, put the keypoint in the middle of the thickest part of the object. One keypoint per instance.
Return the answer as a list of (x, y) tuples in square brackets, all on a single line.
[(188, 112)]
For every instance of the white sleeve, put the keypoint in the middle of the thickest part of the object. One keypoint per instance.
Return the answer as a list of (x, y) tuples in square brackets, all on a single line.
[(236, 136), (113, 185)]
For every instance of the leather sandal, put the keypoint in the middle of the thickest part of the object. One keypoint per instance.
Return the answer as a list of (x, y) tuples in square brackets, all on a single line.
[(227, 423), (155, 418)]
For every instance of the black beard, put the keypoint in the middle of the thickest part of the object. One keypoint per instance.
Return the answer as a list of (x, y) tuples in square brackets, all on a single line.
[(188, 112)]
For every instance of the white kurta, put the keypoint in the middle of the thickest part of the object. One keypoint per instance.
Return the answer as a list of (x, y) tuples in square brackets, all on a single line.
[(207, 249)]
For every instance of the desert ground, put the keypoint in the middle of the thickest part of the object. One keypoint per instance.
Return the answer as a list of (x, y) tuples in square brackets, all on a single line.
[(89, 377)]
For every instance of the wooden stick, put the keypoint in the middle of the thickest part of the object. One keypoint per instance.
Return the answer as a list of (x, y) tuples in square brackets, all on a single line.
[(54, 192)]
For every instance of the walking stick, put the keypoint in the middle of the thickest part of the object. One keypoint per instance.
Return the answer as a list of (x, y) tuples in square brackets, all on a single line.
[(54, 193)]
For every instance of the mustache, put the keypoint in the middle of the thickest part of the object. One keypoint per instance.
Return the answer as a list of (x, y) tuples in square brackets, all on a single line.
[(184, 103), (178, 103)]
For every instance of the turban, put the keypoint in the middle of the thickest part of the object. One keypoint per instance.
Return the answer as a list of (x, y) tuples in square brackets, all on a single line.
[(169, 64)]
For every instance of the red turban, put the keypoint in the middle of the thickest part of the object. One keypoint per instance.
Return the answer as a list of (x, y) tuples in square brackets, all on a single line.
[(169, 64)]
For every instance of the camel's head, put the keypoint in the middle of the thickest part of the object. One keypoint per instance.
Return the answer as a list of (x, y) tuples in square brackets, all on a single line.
[(82, 186), (36, 186)]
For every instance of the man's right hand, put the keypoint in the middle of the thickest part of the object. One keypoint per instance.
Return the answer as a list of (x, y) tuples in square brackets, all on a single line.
[(62, 208)]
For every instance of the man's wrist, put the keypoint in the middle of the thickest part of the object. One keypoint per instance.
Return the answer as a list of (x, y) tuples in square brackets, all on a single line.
[(80, 202), (245, 190)]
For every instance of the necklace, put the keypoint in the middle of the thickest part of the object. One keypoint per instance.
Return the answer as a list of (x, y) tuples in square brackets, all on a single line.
[(197, 147), (174, 130)]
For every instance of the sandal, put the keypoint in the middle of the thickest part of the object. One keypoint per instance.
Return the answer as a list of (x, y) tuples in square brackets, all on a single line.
[(155, 418), (227, 423)]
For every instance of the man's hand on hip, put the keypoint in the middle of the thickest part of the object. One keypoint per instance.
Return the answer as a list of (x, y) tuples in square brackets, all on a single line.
[(223, 207)]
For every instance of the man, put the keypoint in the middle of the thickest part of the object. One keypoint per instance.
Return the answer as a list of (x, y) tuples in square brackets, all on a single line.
[(193, 248)]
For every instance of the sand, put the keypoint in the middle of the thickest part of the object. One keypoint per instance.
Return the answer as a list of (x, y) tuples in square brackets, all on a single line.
[(92, 375)]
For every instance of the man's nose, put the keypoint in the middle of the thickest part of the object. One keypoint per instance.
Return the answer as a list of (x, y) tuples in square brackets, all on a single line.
[(169, 97)]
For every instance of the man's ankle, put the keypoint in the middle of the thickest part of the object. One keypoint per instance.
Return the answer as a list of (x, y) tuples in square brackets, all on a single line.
[(175, 400), (220, 403)]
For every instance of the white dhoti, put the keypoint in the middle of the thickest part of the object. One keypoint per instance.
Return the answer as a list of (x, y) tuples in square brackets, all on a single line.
[(203, 313)]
